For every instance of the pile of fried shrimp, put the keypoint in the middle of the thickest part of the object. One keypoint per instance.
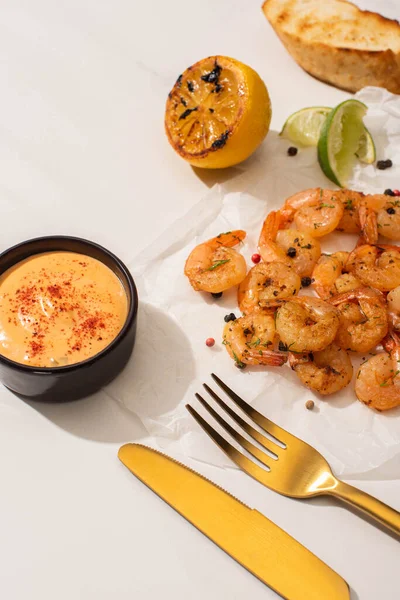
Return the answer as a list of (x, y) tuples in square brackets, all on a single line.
[(356, 303)]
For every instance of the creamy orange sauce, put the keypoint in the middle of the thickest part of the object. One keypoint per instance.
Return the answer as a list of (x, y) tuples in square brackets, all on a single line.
[(59, 308)]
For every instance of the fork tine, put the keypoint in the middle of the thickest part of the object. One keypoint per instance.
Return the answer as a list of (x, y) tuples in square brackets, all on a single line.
[(237, 457), (256, 435), (254, 451), (268, 426)]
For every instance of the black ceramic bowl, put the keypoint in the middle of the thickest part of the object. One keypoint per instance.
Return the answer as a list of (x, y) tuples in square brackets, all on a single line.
[(57, 384)]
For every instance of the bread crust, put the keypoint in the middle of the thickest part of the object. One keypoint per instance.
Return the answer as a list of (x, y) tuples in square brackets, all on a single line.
[(341, 65)]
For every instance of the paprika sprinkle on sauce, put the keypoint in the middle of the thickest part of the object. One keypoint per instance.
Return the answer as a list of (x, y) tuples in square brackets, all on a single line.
[(59, 308)]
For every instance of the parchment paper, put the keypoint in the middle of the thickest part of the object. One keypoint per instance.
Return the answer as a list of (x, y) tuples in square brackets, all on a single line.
[(171, 359)]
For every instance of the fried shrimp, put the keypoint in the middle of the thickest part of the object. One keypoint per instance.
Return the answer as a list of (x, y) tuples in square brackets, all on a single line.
[(378, 379), (350, 221), (249, 340), (393, 306), (291, 247), (328, 277), (325, 372), (370, 214), (214, 266), (315, 211), (388, 219), (363, 319), (376, 266), (267, 281), (305, 324)]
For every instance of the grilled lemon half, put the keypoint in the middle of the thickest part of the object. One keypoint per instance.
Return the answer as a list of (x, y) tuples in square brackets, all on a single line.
[(217, 113)]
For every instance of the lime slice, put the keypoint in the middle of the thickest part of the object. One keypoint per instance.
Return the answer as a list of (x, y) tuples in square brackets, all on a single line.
[(366, 152), (304, 126), (339, 140)]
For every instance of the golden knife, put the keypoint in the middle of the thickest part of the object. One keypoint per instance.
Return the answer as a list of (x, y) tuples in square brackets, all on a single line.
[(246, 535)]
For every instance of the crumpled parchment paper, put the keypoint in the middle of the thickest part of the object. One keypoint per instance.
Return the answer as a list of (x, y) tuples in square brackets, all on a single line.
[(171, 359)]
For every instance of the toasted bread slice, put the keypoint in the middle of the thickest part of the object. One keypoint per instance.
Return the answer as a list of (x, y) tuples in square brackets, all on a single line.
[(337, 42)]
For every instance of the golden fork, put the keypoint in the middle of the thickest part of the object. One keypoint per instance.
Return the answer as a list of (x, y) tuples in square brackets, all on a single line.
[(295, 468)]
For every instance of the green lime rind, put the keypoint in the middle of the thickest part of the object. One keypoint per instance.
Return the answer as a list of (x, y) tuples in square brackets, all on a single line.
[(339, 140), (366, 152), (304, 126)]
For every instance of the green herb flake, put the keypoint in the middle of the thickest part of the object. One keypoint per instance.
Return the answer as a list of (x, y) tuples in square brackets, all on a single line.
[(238, 361), (348, 205), (218, 263)]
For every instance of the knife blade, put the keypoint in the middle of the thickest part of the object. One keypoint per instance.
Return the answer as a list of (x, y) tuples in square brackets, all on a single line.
[(254, 541)]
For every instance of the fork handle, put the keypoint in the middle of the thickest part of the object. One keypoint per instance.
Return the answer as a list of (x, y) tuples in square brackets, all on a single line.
[(381, 512)]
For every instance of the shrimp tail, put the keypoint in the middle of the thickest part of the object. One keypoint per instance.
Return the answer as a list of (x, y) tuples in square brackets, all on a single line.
[(391, 341), (369, 225), (358, 294), (299, 359), (270, 228), (228, 239), (272, 358)]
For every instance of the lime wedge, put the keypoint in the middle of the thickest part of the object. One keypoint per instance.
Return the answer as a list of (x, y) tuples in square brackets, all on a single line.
[(304, 126), (339, 140), (366, 152)]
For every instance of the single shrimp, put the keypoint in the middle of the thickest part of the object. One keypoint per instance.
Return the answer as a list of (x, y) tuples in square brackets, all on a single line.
[(363, 319), (378, 379), (376, 266), (214, 266), (293, 248), (393, 306), (329, 279), (372, 214), (304, 323), (325, 372), (388, 219), (314, 211), (350, 221), (249, 341), (267, 281)]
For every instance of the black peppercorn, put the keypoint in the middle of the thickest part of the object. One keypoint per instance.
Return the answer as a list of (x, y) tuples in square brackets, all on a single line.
[(305, 281), (390, 211), (216, 295), (292, 151), (384, 164), (389, 192), (230, 317), (291, 252)]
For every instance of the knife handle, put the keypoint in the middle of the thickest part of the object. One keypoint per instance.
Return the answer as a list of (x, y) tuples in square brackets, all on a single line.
[(381, 512)]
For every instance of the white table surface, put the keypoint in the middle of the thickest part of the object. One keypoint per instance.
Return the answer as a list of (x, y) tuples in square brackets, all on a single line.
[(82, 151)]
